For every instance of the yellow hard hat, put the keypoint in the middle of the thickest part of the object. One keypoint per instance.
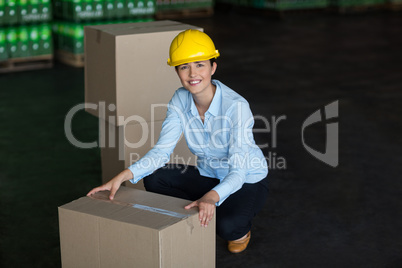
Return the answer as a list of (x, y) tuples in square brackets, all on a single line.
[(189, 46)]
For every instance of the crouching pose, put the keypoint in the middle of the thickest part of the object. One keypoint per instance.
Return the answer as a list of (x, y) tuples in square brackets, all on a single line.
[(231, 171)]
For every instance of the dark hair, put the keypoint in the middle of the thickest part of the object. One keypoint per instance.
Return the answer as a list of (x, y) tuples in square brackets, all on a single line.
[(210, 60)]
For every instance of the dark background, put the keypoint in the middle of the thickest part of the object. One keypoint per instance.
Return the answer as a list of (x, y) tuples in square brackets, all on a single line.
[(315, 216)]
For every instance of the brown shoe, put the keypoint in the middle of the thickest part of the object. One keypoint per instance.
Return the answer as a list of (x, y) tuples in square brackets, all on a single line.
[(238, 246)]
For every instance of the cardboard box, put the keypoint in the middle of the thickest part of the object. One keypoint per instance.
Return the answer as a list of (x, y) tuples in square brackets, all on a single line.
[(122, 146), (136, 229), (126, 68)]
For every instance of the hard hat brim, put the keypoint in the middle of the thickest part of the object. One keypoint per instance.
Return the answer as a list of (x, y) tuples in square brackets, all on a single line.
[(193, 59)]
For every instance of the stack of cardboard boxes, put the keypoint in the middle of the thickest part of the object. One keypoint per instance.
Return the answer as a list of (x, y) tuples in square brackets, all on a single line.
[(128, 85)]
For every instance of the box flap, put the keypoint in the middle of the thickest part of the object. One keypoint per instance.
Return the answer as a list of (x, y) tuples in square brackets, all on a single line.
[(135, 24), (141, 27), (135, 207)]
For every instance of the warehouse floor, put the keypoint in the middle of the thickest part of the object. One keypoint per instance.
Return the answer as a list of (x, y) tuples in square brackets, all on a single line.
[(316, 215)]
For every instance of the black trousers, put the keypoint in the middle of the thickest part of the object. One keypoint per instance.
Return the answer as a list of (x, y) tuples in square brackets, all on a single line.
[(233, 216)]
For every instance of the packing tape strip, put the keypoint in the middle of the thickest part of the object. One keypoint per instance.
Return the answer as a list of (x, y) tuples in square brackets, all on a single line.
[(102, 197), (161, 211)]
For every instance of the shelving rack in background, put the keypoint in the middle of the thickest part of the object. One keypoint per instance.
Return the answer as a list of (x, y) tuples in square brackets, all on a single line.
[(25, 35), (34, 32)]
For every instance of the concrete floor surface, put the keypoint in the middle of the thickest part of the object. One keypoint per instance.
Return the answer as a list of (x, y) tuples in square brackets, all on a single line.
[(316, 215)]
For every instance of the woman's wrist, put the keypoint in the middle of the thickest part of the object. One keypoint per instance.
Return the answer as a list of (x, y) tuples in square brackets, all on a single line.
[(126, 175), (212, 195)]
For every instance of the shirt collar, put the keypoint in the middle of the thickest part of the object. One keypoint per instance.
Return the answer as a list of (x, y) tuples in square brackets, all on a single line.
[(215, 104), (192, 107), (216, 101)]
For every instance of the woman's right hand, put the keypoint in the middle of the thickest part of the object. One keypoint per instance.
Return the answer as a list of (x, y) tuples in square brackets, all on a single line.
[(114, 184)]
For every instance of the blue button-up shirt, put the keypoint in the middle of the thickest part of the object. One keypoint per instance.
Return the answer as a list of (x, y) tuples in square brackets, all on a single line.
[(223, 143)]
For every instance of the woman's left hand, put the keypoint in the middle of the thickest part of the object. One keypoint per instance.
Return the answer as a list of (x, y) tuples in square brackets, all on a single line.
[(206, 207)]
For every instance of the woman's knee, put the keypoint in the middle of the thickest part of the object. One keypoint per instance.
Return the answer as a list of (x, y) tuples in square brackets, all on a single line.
[(224, 228), (232, 227)]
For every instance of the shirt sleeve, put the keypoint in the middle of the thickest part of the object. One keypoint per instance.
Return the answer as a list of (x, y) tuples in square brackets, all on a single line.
[(159, 155), (242, 121)]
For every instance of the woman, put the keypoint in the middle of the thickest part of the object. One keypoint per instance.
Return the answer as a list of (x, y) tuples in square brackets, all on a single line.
[(217, 123)]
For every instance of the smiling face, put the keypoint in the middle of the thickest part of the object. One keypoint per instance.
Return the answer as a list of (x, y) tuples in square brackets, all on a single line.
[(196, 76)]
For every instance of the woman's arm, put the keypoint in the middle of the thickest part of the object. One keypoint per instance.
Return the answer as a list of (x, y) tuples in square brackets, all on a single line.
[(114, 184), (241, 125), (156, 157), (159, 155)]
